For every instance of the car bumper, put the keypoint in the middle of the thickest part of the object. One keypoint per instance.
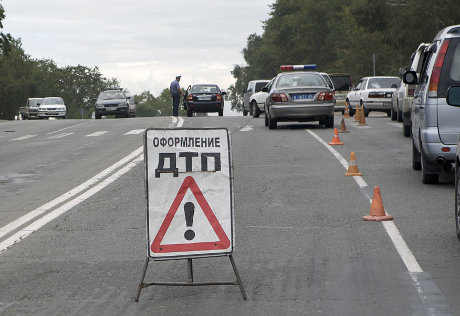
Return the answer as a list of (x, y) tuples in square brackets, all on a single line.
[(433, 148), (301, 111), (112, 111), (378, 105), (206, 107), (50, 114)]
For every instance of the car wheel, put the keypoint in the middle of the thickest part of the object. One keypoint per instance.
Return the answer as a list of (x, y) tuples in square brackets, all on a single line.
[(400, 118), (427, 178), (256, 111), (416, 164), (271, 122), (189, 112), (394, 114), (329, 122), (457, 200), (251, 110), (245, 113), (266, 116), (406, 130)]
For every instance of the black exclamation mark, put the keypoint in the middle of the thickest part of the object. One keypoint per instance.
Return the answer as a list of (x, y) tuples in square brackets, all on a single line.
[(189, 210)]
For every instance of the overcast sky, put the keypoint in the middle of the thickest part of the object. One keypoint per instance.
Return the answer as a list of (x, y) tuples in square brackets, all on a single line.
[(143, 43)]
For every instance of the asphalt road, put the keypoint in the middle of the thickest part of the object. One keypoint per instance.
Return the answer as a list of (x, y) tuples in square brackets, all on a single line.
[(301, 246)]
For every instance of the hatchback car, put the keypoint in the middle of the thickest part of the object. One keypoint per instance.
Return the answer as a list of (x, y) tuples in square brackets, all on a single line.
[(254, 86), (373, 93), (258, 100), (342, 85), (299, 96), (204, 98), (52, 107), (113, 102), (435, 123)]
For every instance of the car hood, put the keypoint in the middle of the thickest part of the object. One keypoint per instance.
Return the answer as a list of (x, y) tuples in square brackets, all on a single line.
[(110, 101)]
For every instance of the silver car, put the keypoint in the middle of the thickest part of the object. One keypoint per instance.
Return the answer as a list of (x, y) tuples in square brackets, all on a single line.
[(52, 107), (299, 96), (435, 123)]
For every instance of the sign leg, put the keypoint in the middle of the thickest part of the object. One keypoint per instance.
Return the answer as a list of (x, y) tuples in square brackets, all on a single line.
[(141, 283), (238, 279), (189, 271)]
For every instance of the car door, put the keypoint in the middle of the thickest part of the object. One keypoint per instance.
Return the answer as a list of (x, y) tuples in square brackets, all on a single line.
[(355, 95)]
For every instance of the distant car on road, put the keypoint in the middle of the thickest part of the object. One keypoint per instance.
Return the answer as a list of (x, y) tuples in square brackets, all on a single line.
[(52, 107), (374, 93), (204, 98), (114, 102), (254, 86), (31, 109), (342, 85), (302, 96)]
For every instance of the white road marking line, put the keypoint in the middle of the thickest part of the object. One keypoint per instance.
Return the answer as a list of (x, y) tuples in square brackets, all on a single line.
[(390, 227), (395, 124), (60, 135), (62, 129), (23, 233), (64, 197), (134, 132), (95, 134), (247, 128), (22, 138)]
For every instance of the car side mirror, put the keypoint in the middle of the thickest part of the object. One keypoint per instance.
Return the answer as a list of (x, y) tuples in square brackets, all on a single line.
[(264, 89), (223, 93), (94, 99), (410, 77), (453, 96), (244, 91)]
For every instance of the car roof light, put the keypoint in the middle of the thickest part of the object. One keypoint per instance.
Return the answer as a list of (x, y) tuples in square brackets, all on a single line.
[(298, 67)]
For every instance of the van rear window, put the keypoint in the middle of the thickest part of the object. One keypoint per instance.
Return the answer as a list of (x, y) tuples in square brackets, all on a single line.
[(455, 66), (450, 74)]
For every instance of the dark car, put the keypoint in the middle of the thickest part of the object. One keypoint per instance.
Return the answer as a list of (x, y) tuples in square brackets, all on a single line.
[(113, 102), (204, 98)]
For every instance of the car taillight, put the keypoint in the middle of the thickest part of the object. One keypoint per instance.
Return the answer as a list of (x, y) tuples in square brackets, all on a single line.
[(279, 97), (190, 97), (436, 74), (376, 95), (219, 97), (325, 96)]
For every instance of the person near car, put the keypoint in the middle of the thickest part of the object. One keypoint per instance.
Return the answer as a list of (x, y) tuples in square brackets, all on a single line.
[(174, 88)]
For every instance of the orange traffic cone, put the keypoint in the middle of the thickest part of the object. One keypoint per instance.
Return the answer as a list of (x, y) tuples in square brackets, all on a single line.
[(357, 113), (346, 113), (362, 118), (353, 167), (336, 139), (377, 212), (343, 128)]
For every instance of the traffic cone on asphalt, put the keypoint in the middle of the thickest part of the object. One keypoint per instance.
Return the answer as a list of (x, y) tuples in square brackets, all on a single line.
[(346, 113), (353, 167), (357, 113), (377, 212), (343, 128), (336, 139), (362, 118)]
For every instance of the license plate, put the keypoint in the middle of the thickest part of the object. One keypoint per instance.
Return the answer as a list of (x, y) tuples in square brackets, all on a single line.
[(388, 95), (204, 98), (308, 96), (111, 108), (340, 98), (388, 104)]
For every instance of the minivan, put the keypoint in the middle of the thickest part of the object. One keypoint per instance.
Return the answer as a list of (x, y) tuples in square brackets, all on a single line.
[(435, 124)]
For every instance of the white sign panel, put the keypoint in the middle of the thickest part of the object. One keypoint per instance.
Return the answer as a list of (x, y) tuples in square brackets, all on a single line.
[(189, 192)]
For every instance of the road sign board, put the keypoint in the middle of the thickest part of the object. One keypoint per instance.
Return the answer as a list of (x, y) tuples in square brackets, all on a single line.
[(189, 192)]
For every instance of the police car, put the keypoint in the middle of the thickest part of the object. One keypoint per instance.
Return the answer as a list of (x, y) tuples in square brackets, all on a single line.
[(299, 94)]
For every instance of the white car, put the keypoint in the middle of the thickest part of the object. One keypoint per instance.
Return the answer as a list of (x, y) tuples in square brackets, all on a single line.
[(257, 100), (52, 107), (374, 93)]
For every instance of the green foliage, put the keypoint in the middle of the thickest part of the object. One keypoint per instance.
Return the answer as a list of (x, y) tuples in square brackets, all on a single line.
[(341, 36), (149, 105)]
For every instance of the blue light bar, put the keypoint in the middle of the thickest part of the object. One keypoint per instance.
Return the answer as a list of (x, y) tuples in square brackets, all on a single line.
[(298, 67)]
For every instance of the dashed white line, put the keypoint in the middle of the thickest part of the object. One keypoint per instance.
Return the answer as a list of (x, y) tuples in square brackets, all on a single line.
[(96, 134), (22, 137), (60, 135), (134, 132)]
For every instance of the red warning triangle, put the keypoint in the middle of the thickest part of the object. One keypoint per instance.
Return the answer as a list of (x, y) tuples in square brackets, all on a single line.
[(222, 243)]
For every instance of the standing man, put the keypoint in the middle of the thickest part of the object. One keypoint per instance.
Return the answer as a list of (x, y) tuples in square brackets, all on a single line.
[(175, 90)]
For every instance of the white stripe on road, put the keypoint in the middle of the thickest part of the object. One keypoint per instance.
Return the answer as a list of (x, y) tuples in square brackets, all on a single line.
[(401, 247), (95, 134), (134, 132), (22, 138), (60, 135), (62, 129)]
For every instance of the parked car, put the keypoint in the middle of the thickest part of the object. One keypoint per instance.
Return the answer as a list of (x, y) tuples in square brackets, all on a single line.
[(404, 94), (132, 106), (342, 85), (113, 102), (258, 100), (374, 93), (31, 109), (254, 86), (299, 96), (204, 98), (453, 99), (52, 107), (435, 123)]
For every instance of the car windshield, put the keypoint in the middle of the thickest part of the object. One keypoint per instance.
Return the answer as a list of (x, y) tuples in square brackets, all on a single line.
[(301, 80), (260, 85), (341, 83), (47, 101), (202, 88), (379, 83), (107, 95), (35, 102)]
